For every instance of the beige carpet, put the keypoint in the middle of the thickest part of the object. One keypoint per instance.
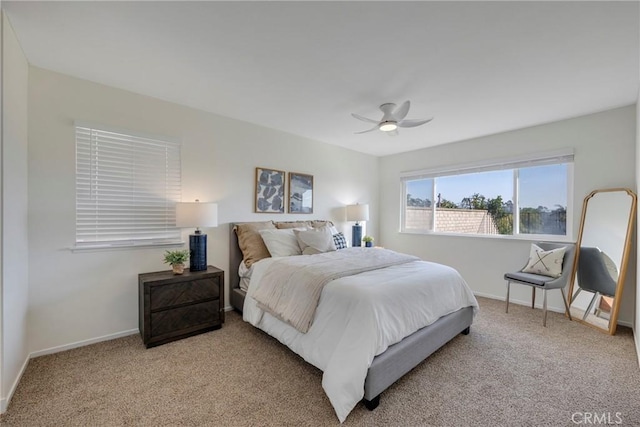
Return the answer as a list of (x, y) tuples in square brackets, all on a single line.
[(510, 371)]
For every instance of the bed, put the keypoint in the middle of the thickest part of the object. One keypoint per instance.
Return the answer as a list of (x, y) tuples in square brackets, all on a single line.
[(385, 368)]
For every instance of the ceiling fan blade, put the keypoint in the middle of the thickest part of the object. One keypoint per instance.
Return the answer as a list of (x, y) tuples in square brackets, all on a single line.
[(369, 130), (364, 119), (413, 123), (401, 112)]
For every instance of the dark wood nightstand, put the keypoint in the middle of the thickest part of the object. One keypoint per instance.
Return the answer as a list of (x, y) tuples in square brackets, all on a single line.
[(176, 306)]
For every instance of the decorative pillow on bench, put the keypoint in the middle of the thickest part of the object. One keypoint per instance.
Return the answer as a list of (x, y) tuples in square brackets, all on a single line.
[(545, 263)]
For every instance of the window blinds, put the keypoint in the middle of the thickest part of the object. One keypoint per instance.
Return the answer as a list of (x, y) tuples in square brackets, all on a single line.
[(539, 159), (126, 189)]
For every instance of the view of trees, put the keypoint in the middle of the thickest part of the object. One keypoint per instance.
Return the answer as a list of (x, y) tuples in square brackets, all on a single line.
[(501, 212), (418, 202), (540, 220)]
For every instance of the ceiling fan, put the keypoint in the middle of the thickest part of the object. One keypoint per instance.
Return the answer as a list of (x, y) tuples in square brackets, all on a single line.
[(392, 119)]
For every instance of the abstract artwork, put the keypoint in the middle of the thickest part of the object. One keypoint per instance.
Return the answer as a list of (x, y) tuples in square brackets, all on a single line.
[(269, 191), (300, 193)]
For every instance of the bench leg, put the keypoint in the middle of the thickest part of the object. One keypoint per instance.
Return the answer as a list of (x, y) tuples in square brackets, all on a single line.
[(544, 307), (533, 297), (508, 287), (466, 330), (593, 300), (566, 306)]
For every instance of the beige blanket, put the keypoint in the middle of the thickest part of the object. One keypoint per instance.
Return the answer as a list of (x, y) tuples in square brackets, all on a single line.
[(290, 287)]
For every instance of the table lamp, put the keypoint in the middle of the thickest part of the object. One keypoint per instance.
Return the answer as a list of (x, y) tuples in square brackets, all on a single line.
[(196, 214), (357, 213)]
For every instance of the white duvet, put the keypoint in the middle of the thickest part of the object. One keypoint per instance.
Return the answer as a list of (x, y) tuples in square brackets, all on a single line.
[(359, 316)]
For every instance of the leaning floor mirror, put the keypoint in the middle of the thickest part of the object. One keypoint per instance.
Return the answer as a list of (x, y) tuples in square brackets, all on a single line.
[(602, 255)]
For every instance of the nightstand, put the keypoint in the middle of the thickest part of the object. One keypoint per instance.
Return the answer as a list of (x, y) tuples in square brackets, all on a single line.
[(176, 306)]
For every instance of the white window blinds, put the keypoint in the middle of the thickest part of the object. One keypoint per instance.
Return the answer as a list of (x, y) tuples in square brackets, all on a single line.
[(127, 187), (537, 159)]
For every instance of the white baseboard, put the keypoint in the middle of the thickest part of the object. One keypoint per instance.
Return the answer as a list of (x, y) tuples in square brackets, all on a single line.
[(624, 323), (519, 302), (4, 402), (77, 344), (549, 308), (637, 341)]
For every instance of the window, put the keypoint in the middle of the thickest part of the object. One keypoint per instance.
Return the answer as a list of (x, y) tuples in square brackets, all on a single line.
[(127, 187), (518, 197)]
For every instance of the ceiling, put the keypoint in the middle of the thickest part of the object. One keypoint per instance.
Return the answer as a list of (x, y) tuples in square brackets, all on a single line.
[(477, 68)]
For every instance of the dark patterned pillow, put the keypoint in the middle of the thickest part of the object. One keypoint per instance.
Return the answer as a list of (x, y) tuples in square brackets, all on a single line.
[(340, 241)]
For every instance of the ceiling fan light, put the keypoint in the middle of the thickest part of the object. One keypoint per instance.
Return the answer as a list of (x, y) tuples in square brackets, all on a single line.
[(388, 126)]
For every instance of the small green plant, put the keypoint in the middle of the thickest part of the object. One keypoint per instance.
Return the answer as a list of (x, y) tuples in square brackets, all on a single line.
[(367, 239), (176, 257)]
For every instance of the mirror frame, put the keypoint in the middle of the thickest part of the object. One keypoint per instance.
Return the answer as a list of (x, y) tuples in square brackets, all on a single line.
[(613, 319)]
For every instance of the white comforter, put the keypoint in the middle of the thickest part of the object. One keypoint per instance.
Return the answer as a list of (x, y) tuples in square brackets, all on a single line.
[(359, 316)]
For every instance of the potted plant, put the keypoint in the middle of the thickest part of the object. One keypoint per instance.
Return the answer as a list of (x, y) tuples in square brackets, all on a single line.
[(368, 241), (176, 259)]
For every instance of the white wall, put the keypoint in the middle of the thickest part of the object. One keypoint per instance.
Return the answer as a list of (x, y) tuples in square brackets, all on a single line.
[(85, 295), (636, 329), (14, 265), (604, 145), (3, 398)]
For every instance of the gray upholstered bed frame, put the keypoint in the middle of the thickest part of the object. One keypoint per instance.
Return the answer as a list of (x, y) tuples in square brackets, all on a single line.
[(399, 358)]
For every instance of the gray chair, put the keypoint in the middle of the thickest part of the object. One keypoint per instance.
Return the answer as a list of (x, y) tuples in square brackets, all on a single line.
[(594, 276), (545, 282)]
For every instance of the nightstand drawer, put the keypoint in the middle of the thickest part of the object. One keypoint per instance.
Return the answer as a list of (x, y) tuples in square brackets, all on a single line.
[(184, 293), (184, 318)]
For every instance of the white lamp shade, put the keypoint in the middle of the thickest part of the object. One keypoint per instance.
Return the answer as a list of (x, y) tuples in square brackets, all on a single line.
[(358, 213), (196, 214)]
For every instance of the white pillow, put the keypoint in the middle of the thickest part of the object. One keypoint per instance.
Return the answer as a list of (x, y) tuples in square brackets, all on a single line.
[(281, 242), (545, 263), (315, 241)]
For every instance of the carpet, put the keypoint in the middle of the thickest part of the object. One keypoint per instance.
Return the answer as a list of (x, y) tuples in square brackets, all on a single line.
[(508, 371)]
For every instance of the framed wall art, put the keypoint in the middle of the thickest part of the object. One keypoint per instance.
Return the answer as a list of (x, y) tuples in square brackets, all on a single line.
[(300, 193), (269, 191)]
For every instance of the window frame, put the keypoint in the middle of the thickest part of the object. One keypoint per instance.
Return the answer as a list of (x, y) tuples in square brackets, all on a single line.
[(563, 156), (172, 166)]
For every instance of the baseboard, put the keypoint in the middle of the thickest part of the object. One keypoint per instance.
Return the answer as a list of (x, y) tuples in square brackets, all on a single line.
[(549, 308), (519, 302), (4, 402), (637, 341), (625, 323), (77, 344)]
